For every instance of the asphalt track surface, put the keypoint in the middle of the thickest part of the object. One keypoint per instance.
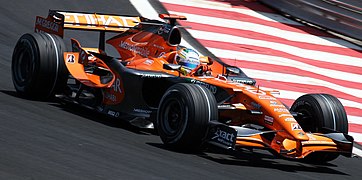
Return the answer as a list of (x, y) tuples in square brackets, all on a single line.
[(47, 140)]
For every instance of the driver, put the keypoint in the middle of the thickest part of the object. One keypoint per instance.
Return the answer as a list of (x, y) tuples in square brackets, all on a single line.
[(188, 58)]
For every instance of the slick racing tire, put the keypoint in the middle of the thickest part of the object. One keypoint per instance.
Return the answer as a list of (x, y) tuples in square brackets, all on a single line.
[(38, 69), (183, 116), (320, 113)]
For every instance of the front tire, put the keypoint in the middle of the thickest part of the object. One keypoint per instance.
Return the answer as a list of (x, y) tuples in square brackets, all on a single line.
[(320, 113), (38, 69), (183, 115)]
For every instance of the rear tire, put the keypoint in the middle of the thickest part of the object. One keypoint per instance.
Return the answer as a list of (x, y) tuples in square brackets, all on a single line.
[(321, 113), (38, 68), (183, 115)]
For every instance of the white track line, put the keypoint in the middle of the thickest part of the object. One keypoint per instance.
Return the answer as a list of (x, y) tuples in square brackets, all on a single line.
[(292, 36), (357, 151), (225, 7), (296, 51)]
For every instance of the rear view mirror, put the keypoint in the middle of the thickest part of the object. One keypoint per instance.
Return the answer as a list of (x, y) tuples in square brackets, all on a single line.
[(232, 70)]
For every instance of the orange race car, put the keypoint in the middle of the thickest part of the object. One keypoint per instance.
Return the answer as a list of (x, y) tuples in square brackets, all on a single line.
[(191, 100)]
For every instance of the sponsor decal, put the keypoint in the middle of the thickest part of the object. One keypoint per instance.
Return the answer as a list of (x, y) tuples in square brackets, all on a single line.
[(115, 93), (148, 62), (224, 137), (92, 19), (281, 110), (265, 97), (277, 105), (212, 88), (117, 86), (295, 126), (47, 24), (164, 29), (273, 102), (243, 81), (113, 113), (131, 47), (142, 111), (151, 76), (158, 46), (268, 120), (70, 58), (110, 97), (317, 142), (256, 105), (289, 120), (285, 115)]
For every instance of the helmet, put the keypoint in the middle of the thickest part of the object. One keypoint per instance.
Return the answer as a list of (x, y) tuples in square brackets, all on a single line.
[(188, 58)]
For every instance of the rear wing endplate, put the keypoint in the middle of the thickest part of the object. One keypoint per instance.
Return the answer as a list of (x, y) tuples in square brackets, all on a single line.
[(57, 21)]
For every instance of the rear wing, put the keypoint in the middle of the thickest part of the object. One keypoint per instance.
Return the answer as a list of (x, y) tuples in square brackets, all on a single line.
[(57, 21)]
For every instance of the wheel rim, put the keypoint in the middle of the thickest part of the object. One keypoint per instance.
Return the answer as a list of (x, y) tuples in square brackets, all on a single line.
[(23, 66), (306, 121), (174, 117)]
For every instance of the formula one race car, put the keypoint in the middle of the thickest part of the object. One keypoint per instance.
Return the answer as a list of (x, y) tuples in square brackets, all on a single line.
[(215, 103)]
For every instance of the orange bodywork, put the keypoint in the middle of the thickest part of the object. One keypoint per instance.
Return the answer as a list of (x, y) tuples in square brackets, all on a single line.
[(275, 116), (77, 70), (149, 46)]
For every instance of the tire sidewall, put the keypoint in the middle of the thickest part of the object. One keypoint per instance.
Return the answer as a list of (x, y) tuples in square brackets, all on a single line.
[(324, 111), (309, 106), (198, 106), (25, 45), (172, 96), (48, 74)]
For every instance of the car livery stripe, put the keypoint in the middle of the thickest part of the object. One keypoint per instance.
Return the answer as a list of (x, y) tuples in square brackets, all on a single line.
[(278, 52)]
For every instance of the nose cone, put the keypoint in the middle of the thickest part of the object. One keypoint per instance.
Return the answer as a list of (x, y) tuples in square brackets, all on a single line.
[(297, 132), (301, 135)]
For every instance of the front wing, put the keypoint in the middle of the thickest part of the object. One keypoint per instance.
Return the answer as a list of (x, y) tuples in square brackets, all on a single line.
[(235, 137)]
